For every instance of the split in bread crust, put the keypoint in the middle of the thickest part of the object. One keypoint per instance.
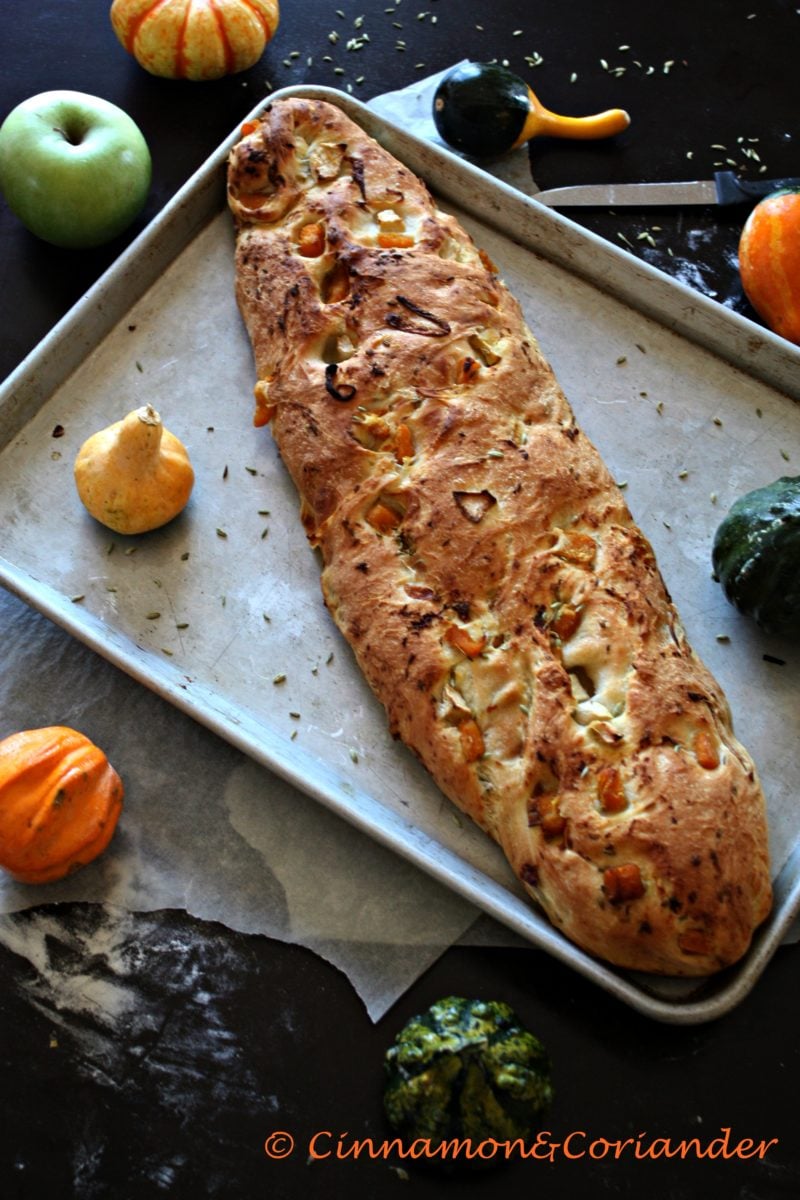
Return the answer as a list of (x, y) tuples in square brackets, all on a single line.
[(480, 559)]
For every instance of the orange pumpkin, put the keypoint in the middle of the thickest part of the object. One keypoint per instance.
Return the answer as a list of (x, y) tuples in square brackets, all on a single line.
[(769, 262), (60, 800), (195, 39)]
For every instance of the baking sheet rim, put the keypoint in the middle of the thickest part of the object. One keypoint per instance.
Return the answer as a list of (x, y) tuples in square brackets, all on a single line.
[(708, 999)]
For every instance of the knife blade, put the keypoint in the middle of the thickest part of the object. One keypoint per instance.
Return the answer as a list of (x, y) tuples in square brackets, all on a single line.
[(724, 189)]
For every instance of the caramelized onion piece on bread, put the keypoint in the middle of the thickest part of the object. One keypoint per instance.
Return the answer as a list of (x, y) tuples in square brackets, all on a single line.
[(481, 561)]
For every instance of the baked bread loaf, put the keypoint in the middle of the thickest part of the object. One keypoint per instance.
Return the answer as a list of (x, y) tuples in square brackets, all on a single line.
[(480, 559)]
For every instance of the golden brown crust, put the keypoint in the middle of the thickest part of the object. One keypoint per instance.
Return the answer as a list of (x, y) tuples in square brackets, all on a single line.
[(481, 561)]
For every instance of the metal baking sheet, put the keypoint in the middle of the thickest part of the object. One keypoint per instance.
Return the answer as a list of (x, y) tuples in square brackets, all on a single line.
[(689, 403)]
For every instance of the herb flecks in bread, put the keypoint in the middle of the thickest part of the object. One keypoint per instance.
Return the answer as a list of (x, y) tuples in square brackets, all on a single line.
[(480, 559)]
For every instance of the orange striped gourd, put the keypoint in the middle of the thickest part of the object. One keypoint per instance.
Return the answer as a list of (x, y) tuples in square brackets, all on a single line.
[(195, 39)]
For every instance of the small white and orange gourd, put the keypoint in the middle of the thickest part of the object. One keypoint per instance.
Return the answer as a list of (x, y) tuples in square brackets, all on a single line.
[(134, 475)]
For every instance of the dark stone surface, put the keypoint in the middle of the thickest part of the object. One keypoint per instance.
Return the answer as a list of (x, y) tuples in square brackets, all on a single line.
[(162, 1063)]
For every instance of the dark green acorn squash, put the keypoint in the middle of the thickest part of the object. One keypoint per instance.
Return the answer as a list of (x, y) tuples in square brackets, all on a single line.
[(756, 556)]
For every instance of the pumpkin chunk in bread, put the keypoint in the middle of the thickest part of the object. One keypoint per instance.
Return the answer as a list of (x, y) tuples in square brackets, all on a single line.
[(480, 559)]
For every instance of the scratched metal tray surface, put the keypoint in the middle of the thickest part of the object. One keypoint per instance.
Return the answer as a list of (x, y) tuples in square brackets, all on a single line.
[(689, 403)]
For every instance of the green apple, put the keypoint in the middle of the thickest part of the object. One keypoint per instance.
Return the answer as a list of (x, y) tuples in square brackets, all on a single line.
[(74, 168)]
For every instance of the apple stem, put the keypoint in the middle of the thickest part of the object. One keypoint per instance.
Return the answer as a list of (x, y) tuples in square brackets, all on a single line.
[(73, 136)]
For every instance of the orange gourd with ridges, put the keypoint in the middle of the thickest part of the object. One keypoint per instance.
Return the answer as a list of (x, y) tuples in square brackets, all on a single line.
[(769, 262), (195, 39), (60, 800)]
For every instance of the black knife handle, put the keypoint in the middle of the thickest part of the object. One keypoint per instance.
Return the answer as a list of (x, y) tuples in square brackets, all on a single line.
[(732, 190)]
